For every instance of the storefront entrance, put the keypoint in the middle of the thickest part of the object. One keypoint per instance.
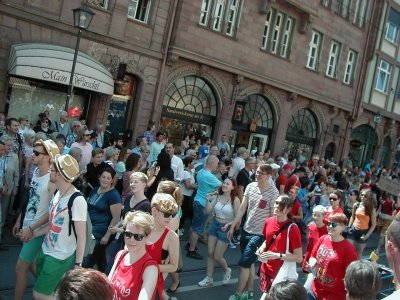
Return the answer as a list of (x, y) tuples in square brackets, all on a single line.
[(363, 143), (257, 142), (189, 107)]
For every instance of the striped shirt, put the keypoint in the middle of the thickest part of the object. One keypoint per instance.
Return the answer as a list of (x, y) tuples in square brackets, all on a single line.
[(260, 206)]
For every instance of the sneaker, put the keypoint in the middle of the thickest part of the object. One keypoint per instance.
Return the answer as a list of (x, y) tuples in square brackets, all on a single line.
[(207, 281), (249, 295), (187, 246), (227, 276), (194, 255), (232, 245), (235, 297), (236, 240), (244, 296)]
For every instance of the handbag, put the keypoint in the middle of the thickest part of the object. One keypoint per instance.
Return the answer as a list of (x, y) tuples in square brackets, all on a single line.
[(288, 269)]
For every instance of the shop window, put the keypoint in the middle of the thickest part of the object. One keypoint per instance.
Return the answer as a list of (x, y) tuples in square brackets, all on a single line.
[(392, 26), (334, 53), (350, 67), (139, 10), (314, 50), (383, 76), (258, 110), (221, 15), (278, 33)]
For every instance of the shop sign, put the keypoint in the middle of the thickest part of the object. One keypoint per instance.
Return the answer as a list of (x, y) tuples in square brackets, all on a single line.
[(63, 78), (355, 143), (188, 115), (392, 186)]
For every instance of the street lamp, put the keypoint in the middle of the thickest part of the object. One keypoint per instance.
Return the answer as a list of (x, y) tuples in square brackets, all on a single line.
[(377, 118), (82, 18)]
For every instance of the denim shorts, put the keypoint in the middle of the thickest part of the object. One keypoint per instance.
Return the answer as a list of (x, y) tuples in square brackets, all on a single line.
[(249, 243), (199, 218), (355, 235), (216, 230)]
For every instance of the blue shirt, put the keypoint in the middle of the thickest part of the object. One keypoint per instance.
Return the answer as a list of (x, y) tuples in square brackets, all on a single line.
[(203, 151), (207, 183)]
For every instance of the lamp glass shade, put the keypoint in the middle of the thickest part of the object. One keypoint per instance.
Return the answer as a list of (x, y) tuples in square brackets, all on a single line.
[(377, 118), (82, 17)]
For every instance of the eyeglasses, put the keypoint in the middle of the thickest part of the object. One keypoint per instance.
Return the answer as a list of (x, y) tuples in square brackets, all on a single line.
[(52, 170), (333, 198), (260, 173), (333, 224), (45, 121), (87, 134), (37, 153), (137, 236), (167, 214), (262, 204), (77, 126)]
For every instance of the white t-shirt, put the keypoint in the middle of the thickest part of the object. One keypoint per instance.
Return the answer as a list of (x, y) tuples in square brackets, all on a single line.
[(187, 175), (86, 154), (177, 167), (394, 296), (39, 199), (57, 242), (238, 164)]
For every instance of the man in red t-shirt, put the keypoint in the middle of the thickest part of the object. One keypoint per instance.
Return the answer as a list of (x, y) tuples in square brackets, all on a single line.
[(282, 180), (294, 179)]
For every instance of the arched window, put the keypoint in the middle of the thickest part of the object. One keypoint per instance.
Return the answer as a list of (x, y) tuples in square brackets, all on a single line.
[(257, 108), (302, 126), (368, 140)]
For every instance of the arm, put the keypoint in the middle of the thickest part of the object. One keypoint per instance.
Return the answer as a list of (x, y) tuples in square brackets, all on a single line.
[(282, 189), (152, 174), (372, 227), (28, 163), (240, 191), (116, 214), (149, 285), (238, 216), (26, 234), (236, 207), (80, 228), (297, 255), (299, 215), (188, 184), (173, 249)]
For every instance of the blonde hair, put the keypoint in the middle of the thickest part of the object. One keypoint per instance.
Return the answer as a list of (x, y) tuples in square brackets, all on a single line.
[(140, 176), (171, 188), (140, 219), (164, 202)]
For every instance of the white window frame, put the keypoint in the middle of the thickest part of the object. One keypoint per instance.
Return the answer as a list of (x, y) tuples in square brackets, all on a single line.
[(276, 32), (383, 75), (326, 3), (359, 13), (138, 4), (286, 37), (231, 17), (391, 32), (205, 12), (267, 29), (350, 67), (345, 8), (332, 66), (314, 50), (218, 16)]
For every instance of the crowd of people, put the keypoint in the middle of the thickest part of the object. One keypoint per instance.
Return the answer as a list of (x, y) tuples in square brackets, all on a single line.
[(78, 200)]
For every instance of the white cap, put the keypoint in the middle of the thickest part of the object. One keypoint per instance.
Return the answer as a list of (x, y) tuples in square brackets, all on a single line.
[(274, 166)]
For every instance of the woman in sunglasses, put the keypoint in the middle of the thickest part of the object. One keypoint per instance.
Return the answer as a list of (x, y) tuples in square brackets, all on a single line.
[(335, 199), (352, 200), (329, 259), (135, 273), (224, 208), (43, 125), (163, 243), (363, 221)]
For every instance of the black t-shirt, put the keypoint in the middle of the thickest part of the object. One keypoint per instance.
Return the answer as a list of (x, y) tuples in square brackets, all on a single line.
[(92, 175), (243, 178)]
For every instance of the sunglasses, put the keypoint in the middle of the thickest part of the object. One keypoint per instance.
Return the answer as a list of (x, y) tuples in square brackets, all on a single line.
[(333, 224), (137, 236), (332, 198), (37, 153), (167, 214)]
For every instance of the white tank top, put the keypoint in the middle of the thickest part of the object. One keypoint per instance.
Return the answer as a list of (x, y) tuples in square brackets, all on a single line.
[(39, 198), (224, 213)]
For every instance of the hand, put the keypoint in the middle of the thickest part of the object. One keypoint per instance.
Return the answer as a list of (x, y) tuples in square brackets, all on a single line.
[(229, 235), (225, 227), (116, 229), (364, 237), (272, 255), (157, 171), (4, 191), (25, 234), (15, 230), (104, 240)]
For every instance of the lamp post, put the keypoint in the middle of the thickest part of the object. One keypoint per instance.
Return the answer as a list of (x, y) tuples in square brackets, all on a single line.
[(82, 18)]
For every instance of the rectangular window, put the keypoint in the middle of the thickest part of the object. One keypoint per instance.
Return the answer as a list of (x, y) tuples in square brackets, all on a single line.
[(232, 17), (276, 33), (350, 66), (383, 77), (334, 52), (326, 3), (267, 29), (344, 7), (204, 12), (139, 10), (218, 15), (286, 37), (359, 13), (313, 51), (392, 26)]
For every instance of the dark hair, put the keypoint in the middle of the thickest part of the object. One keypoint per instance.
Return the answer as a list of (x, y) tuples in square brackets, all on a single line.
[(370, 202), (96, 151), (108, 170), (362, 280), (159, 133), (150, 124), (139, 139), (61, 138), (84, 284), (9, 121), (164, 160), (132, 161), (393, 232), (122, 154), (287, 290), (187, 160), (234, 192), (304, 181), (204, 139)]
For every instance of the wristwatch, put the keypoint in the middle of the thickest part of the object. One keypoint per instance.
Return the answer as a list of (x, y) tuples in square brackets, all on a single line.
[(280, 256)]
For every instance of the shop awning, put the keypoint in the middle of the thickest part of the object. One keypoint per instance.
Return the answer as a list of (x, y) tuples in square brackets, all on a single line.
[(54, 63)]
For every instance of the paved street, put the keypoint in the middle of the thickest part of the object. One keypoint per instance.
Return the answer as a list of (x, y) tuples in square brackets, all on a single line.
[(193, 271)]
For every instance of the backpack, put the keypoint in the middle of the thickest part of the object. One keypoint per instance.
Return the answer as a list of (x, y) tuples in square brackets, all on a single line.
[(90, 240)]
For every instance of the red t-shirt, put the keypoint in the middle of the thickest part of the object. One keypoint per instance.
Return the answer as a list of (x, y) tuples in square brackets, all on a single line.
[(332, 261), (314, 233), (331, 212), (281, 180), (271, 227), (127, 281), (293, 181), (295, 208), (387, 207)]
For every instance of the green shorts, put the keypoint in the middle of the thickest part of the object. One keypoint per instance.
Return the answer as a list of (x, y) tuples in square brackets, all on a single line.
[(30, 250), (49, 272)]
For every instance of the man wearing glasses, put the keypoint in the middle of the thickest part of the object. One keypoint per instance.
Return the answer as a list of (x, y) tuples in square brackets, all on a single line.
[(258, 200), (76, 127), (82, 142), (35, 215)]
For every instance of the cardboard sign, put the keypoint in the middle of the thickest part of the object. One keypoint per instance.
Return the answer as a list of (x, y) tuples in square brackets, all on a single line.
[(391, 186)]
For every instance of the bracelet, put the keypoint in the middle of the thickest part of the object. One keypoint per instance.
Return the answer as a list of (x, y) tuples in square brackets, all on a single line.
[(30, 228), (78, 264)]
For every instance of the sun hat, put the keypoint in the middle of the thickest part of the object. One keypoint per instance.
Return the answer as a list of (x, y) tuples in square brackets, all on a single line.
[(50, 146), (68, 166)]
